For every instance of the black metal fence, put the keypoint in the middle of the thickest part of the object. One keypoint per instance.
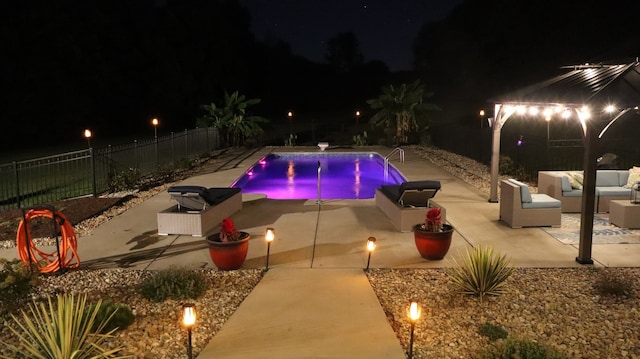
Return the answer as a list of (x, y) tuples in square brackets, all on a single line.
[(96, 170), (533, 151)]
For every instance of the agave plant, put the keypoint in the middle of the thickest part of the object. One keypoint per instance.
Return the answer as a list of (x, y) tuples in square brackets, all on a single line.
[(61, 329), (481, 273)]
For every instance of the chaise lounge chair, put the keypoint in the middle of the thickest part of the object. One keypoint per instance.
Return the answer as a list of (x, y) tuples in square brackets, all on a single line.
[(199, 209), (406, 204)]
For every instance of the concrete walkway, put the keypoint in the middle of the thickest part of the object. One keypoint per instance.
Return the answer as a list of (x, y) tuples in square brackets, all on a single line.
[(315, 300), (308, 313)]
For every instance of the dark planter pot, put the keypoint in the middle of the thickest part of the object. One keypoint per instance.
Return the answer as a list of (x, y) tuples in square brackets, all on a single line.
[(228, 255), (433, 245)]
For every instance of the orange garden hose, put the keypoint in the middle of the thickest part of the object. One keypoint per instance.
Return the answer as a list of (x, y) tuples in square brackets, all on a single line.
[(48, 262)]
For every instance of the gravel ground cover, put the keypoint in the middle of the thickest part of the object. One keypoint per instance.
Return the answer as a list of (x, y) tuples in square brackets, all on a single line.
[(556, 307)]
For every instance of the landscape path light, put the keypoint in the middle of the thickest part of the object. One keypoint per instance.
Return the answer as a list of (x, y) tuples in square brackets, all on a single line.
[(189, 320), (269, 236), (371, 245), (414, 314)]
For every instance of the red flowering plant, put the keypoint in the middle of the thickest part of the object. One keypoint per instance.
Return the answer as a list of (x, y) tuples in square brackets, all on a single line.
[(433, 221), (228, 232)]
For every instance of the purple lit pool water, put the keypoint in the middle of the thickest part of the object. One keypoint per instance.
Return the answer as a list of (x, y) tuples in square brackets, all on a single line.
[(295, 176)]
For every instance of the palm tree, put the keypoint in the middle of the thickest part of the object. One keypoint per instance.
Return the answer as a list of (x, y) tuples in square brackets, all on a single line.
[(402, 107), (232, 120)]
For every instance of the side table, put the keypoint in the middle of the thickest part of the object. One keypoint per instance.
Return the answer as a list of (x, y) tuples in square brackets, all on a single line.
[(624, 214)]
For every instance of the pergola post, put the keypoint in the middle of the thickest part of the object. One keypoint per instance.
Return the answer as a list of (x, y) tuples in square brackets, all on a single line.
[(588, 195), (495, 158)]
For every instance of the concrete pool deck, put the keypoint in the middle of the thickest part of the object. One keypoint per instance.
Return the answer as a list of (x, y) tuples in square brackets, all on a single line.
[(319, 254)]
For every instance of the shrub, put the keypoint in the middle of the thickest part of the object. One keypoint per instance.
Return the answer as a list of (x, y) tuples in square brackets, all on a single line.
[(613, 283), (522, 349), (291, 141), (176, 283), (114, 316), (481, 273), (124, 180), (16, 282), (360, 140), (492, 331), (509, 167), (60, 330)]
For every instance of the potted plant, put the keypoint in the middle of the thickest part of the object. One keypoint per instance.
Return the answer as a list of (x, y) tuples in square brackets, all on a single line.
[(433, 238), (228, 248)]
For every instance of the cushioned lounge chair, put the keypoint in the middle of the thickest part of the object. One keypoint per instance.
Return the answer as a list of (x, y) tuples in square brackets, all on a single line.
[(521, 208), (199, 209), (200, 198), (412, 194), (406, 204)]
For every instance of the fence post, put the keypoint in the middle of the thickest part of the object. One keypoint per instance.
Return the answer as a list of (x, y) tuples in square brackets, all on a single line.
[(93, 172), (135, 153), (186, 144), (173, 152), (15, 171)]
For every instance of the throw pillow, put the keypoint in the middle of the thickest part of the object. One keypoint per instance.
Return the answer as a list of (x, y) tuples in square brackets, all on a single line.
[(575, 179), (634, 176)]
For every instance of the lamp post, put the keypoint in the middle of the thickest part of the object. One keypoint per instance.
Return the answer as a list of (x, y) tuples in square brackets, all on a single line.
[(357, 116), (414, 314), (87, 135), (269, 236), (371, 245), (189, 320), (155, 123), (482, 114), (290, 117)]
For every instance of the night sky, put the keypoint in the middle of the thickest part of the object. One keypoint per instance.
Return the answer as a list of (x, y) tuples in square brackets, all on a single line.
[(385, 29)]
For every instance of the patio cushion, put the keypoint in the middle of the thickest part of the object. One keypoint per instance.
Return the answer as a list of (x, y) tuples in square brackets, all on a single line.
[(607, 178), (198, 197), (525, 194), (613, 191), (566, 185), (541, 200), (411, 193)]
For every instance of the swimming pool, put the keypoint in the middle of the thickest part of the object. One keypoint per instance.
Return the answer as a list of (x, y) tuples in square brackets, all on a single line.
[(295, 176)]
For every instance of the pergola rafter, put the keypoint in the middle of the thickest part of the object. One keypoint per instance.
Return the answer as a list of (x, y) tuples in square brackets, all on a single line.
[(595, 95)]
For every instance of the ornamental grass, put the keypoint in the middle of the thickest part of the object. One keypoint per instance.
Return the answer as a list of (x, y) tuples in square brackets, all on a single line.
[(482, 272)]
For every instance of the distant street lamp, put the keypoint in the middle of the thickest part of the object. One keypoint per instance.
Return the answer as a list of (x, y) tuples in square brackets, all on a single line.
[(357, 117), (155, 123), (87, 135), (482, 114), (290, 116)]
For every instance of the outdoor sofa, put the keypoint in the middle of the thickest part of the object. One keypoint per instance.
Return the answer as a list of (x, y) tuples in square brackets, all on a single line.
[(566, 186), (406, 204), (521, 208), (199, 209)]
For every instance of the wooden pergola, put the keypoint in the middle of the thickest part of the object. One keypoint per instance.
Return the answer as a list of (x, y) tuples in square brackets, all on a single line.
[(595, 95)]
